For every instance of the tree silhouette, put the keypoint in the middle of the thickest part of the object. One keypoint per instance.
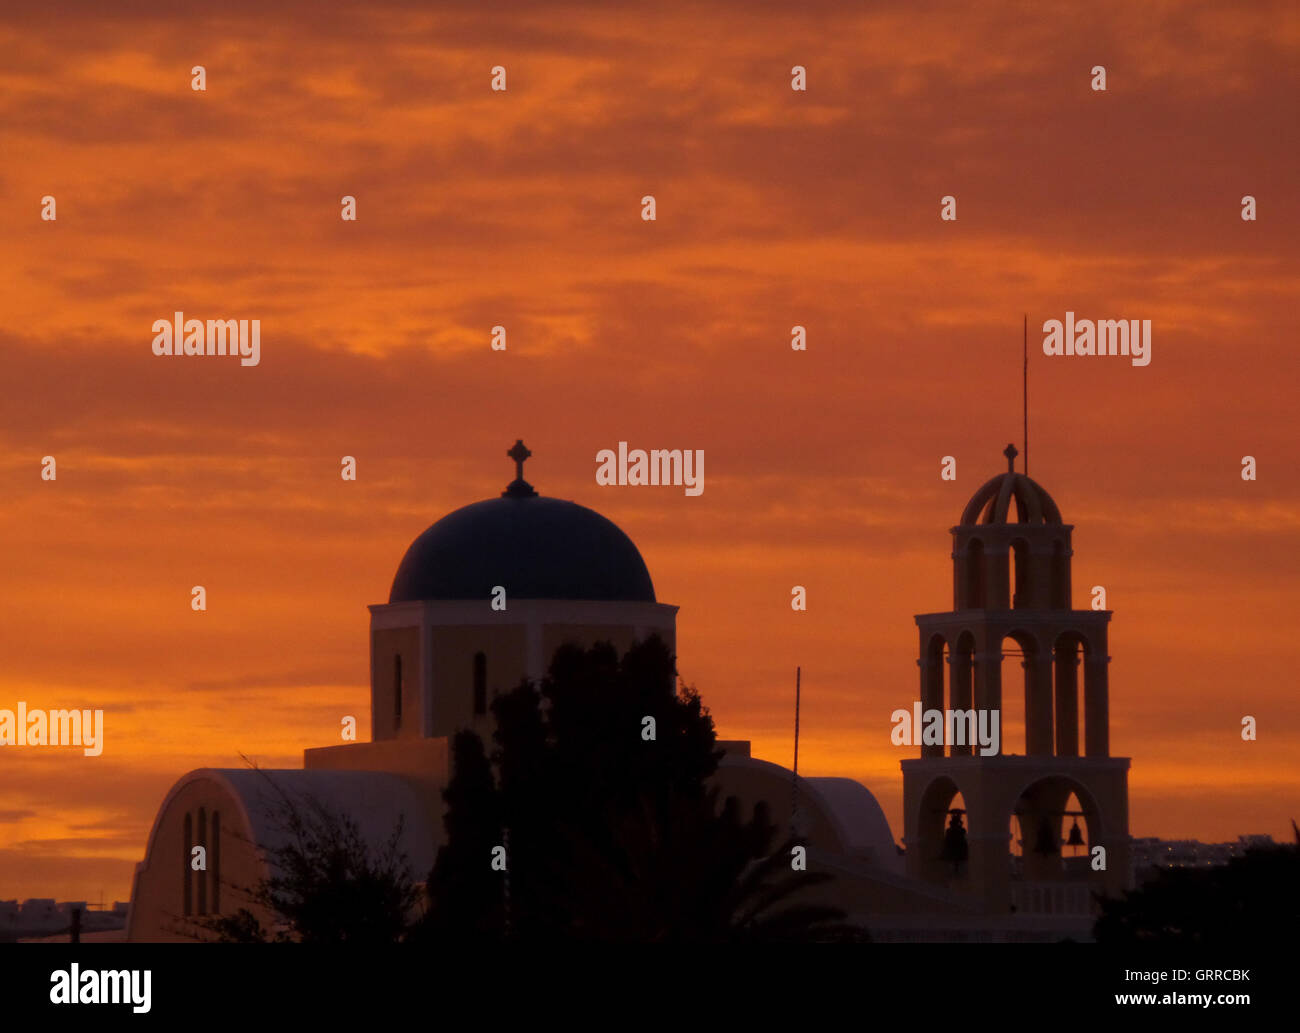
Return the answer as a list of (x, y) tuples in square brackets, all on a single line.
[(613, 835), (1253, 898), (325, 884), (469, 891)]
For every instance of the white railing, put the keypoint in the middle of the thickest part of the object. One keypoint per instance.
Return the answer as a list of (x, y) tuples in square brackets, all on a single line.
[(1053, 898)]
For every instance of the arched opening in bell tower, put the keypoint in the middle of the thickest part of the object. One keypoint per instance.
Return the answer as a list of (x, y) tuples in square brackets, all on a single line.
[(1053, 825), (1021, 594), (1073, 837), (1023, 720), (942, 833), (961, 686)]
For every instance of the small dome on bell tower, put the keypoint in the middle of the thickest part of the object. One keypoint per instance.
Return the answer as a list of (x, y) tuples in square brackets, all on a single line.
[(992, 503), (1010, 549)]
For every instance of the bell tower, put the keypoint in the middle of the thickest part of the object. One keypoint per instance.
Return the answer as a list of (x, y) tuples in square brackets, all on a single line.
[(1012, 599)]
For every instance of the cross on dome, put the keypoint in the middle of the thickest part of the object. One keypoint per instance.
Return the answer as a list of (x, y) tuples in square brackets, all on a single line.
[(1011, 453), (519, 453), (519, 488)]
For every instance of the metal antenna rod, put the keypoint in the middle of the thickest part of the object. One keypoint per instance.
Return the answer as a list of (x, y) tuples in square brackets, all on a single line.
[(1025, 387)]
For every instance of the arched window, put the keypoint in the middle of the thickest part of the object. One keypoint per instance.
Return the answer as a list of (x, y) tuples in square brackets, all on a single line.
[(1024, 710), (480, 684), (1020, 561), (203, 875), (397, 688), (215, 864), (961, 669), (187, 900)]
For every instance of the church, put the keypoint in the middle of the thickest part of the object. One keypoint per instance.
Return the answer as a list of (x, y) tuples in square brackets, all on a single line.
[(440, 649)]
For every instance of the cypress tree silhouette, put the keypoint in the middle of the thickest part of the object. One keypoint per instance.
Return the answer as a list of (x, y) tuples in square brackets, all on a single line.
[(615, 836), (468, 892)]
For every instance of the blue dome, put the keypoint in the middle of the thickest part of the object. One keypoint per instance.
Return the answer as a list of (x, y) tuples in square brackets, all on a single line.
[(535, 547)]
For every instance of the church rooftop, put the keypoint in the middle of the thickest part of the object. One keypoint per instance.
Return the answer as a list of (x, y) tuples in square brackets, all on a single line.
[(533, 546)]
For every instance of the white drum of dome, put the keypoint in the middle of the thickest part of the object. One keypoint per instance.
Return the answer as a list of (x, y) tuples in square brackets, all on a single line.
[(683, 468)]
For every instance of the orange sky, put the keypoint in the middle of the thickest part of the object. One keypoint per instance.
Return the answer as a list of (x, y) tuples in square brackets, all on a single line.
[(522, 208)]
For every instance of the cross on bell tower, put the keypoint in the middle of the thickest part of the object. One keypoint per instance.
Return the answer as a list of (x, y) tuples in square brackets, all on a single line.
[(519, 488)]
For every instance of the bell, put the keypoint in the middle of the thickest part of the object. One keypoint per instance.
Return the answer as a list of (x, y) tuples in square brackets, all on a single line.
[(1076, 836), (1046, 843), (955, 848)]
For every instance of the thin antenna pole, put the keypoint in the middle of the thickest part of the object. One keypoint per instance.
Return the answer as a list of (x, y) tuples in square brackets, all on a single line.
[(1025, 386), (794, 778)]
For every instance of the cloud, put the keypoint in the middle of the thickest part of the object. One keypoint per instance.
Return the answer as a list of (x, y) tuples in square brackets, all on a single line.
[(522, 209), (15, 815)]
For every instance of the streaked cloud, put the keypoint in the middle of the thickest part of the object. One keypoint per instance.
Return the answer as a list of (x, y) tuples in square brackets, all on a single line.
[(522, 209)]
